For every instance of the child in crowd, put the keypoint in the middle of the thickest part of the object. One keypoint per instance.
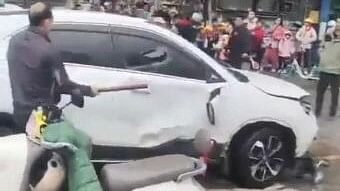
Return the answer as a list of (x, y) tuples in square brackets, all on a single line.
[(209, 37), (286, 50), (276, 33), (223, 45)]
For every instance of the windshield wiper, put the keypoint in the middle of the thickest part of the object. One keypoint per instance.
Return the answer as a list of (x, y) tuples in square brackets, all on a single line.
[(238, 75)]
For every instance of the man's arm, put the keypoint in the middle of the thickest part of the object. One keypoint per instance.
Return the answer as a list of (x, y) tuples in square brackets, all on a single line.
[(299, 35), (64, 84), (313, 36)]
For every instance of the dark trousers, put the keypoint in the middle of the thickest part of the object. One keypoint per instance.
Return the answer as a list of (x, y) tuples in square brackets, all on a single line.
[(236, 60), (236, 65), (307, 58), (332, 80), (259, 52), (304, 58), (283, 62), (20, 115)]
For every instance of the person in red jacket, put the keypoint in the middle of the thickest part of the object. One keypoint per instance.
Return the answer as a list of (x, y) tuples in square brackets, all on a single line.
[(186, 29), (257, 41)]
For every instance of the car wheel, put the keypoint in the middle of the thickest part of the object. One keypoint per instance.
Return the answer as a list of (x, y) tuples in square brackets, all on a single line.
[(259, 157)]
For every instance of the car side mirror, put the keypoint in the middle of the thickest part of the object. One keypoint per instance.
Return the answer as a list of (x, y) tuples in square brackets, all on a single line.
[(77, 98)]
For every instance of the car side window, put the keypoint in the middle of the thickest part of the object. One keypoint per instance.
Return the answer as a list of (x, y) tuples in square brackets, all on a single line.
[(88, 48), (149, 55)]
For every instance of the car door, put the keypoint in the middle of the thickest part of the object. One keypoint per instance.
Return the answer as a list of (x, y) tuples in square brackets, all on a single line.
[(87, 53), (173, 106)]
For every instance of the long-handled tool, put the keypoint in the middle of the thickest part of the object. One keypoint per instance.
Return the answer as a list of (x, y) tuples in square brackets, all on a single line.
[(122, 88)]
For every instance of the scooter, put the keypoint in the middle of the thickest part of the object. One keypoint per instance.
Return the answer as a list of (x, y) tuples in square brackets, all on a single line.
[(46, 166)]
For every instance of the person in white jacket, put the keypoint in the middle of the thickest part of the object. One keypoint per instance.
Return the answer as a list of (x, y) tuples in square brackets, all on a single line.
[(306, 36)]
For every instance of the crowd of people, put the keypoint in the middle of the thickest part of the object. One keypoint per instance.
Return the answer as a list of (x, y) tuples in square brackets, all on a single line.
[(271, 46)]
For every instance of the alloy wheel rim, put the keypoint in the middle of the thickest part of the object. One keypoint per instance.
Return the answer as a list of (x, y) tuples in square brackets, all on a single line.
[(265, 159)]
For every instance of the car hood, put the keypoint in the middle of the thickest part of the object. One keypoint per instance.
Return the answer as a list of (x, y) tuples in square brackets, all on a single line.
[(3, 50), (274, 86)]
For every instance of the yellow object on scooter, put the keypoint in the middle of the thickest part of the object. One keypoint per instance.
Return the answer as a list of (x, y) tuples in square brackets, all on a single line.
[(41, 123), (36, 125)]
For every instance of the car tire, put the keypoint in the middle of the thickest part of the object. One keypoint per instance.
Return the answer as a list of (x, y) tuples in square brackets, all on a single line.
[(257, 158)]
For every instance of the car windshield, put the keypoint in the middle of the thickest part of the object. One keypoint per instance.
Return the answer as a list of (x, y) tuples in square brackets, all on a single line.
[(238, 75)]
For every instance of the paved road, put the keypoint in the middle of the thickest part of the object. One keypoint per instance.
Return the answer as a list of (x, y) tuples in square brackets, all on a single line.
[(327, 145)]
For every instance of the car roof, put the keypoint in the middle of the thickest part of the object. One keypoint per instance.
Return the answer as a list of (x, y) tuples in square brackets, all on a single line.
[(10, 8), (95, 17), (12, 18), (78, 16)]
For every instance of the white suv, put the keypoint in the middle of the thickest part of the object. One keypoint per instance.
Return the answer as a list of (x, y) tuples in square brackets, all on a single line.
[(261, 122)]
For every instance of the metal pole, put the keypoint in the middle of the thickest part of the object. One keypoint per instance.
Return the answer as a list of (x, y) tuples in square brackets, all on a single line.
[(210, 11), (206, 12), (324, 14)]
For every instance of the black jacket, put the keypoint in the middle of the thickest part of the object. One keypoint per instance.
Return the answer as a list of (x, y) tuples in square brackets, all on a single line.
[(240, 41), (36, 72)]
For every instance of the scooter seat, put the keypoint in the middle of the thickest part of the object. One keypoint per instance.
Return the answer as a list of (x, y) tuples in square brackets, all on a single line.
[(141, 173)]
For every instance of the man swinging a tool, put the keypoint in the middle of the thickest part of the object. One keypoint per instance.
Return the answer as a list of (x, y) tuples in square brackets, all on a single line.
[(38, 76), (36, 71)]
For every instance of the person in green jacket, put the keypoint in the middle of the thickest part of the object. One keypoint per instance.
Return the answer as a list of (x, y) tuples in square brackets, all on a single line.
[(329, 74), (81, 174)]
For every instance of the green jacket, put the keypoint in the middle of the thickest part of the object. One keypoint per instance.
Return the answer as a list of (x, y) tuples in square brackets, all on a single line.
[(81, 173), (330, 57)]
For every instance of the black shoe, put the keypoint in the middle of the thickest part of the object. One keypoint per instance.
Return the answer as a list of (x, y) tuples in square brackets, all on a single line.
[(332, 114)]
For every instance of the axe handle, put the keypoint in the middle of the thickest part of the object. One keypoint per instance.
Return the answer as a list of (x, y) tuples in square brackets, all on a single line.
[(124, 87)]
